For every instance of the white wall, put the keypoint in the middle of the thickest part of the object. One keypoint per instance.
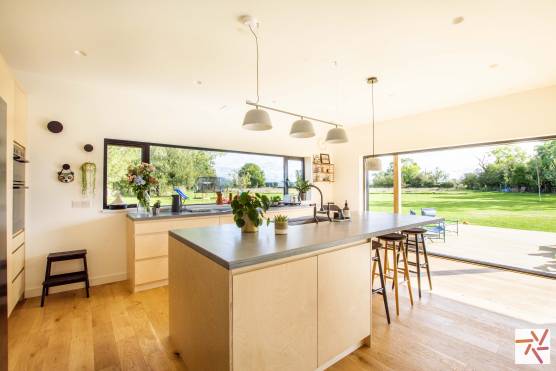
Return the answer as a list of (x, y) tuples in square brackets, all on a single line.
[(90, 114), (523, 115)]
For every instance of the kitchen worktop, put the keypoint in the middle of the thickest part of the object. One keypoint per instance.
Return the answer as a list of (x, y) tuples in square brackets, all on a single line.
[(230, 248), (168, 214)]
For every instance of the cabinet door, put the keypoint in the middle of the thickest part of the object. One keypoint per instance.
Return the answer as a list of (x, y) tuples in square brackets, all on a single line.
[(344, 300), (275, 317)]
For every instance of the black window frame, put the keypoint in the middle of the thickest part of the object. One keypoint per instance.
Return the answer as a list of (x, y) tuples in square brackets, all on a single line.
[(145, 157)]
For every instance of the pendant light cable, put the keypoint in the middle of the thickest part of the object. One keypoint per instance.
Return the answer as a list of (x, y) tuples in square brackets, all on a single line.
[(257, 47), (373, 113)]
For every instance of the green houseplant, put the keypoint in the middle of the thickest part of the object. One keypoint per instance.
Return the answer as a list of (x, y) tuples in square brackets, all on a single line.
[(275, 200), (88, 178), (280, 224), (156, 208), (303, 186), (249, 211)]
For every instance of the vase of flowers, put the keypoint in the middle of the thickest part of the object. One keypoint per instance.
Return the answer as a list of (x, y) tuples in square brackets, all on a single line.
[(141, 180), (249, 211)]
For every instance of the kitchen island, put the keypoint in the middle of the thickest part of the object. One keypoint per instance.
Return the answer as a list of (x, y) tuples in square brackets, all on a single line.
[(300, 301), (147, 238)]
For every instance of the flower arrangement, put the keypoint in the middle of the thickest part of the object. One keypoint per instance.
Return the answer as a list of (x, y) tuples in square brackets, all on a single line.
[(249, 210), (141, 179)]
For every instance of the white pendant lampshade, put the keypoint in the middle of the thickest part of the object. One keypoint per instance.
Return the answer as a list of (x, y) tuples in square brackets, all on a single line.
[(302, 129), (336, 135), (373, 164), (257, 119)]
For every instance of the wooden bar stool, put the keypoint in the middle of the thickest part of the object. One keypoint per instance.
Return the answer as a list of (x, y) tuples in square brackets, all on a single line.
[(51, 280), (415, 238), (376, 246), (395, 242)]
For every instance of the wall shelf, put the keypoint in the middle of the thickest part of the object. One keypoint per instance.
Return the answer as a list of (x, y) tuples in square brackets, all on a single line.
[(323, 173)]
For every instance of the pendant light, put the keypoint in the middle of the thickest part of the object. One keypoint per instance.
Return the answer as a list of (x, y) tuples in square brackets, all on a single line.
[(336, 135), (255, 119), (302, 129), (373, 163)]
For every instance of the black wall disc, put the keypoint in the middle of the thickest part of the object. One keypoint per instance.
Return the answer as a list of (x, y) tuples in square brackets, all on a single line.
[(55, 127)]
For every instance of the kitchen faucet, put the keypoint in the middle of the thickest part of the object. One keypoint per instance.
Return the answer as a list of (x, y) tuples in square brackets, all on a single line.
[(321, 211)]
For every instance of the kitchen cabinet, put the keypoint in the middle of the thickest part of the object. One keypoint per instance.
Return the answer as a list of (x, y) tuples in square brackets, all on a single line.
[(298, 313), (344, 303), (275, 317)]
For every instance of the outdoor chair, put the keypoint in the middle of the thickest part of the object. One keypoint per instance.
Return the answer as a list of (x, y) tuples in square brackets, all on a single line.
[(437, 231)]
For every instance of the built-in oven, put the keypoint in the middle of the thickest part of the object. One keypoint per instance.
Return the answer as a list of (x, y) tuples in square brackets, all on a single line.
[(19, 187)]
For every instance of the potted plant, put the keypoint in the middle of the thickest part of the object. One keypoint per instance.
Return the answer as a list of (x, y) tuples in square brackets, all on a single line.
[(141, 179), (281, 224), (88, 178), (249, 211), (303, 186), (156, 208), (275, 200)]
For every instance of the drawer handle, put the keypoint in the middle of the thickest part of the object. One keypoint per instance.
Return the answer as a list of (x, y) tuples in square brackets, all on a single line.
[(19, 247), (17, 275)]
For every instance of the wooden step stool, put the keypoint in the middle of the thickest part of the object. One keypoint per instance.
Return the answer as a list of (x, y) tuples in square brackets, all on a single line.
[(65, 278)]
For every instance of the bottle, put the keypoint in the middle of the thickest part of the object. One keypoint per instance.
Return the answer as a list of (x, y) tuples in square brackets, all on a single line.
[(347, 212)]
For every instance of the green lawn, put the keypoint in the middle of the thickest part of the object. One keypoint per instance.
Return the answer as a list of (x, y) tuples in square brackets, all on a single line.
[(494, 209)]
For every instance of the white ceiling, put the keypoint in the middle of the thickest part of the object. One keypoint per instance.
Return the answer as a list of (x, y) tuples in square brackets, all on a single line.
[(422, 60)]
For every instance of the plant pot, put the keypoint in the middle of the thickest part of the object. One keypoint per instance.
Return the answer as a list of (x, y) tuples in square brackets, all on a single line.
[(281, 228), (156, 211), (249, 227), (302, 196)]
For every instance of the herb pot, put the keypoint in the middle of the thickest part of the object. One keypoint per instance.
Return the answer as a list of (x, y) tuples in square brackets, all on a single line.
[(302, 196), (156, 211), (281, 227), (249, 226)]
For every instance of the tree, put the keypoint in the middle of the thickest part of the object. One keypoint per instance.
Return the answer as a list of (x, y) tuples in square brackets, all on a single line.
[(507, 159), (546, 157), (471, 181), (384, 178), (179, 167), (410, 172), (255, 173)]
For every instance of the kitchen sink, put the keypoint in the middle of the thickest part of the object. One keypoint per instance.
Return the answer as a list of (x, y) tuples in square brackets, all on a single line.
[(306, 220)]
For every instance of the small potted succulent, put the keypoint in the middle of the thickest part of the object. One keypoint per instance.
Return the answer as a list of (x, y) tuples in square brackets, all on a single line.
[(249, 211), (281, 224), (156, 208), (303, 186)]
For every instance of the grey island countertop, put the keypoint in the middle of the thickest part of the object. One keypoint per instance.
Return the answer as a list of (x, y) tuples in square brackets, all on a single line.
[(168, 214), (229, 247)]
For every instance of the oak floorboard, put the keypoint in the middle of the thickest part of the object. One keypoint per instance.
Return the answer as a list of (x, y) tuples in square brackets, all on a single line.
[(466, 323)]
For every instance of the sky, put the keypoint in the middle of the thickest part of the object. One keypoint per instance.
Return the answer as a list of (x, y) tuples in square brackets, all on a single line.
[(227, 162), (457, 162)]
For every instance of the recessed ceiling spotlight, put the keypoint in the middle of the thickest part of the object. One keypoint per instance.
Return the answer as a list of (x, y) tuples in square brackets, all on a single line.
[(80, 53), (223, 107), (494, 65), (198, 82), (458, 20)]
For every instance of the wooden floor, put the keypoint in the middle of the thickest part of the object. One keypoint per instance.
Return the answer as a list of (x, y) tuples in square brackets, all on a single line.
[(467, 323)]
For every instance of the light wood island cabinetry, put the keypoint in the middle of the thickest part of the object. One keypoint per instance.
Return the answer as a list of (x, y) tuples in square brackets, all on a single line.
[(257, 301), (147, 242)]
